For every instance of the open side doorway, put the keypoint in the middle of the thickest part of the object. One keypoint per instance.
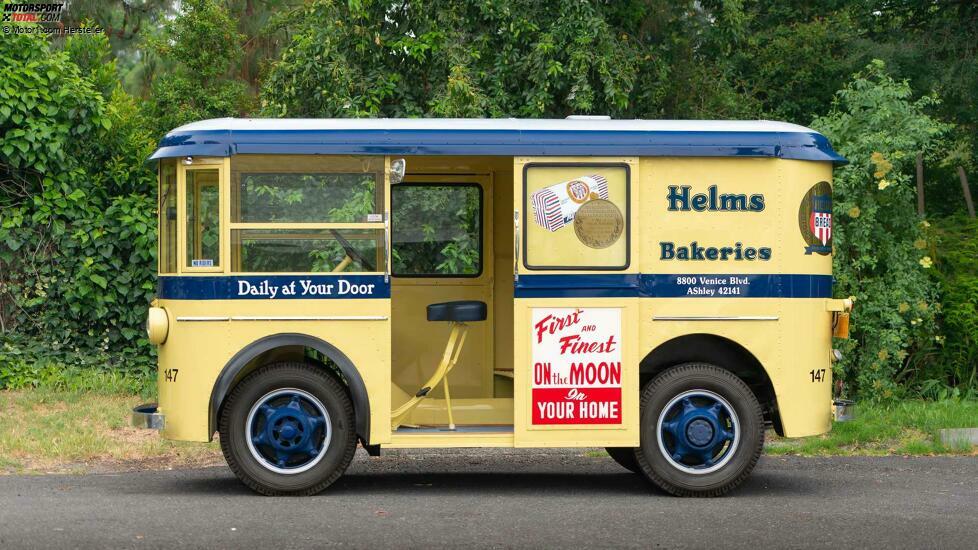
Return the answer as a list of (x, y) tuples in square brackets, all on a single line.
[(449, 245)]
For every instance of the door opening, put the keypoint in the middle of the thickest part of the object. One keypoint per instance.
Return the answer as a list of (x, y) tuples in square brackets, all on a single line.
[(445, 244)]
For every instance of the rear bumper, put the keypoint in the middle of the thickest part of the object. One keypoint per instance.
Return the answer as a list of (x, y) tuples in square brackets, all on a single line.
[(146, 416)]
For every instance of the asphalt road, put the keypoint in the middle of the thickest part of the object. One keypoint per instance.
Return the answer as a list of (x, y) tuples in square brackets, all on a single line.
[(505, 498)]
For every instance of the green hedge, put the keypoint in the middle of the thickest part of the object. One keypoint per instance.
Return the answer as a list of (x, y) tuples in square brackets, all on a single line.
[(77, 225)]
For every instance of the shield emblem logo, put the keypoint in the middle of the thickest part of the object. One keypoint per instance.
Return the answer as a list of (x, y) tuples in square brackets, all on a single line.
[(820, 220), (821, 226), (815, 219)]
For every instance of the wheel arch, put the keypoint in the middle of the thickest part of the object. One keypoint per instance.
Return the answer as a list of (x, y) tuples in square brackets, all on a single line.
[(262, 351), (722, 352)]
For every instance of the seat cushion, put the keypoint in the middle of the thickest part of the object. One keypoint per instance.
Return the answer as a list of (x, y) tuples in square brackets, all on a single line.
[(462, 310)]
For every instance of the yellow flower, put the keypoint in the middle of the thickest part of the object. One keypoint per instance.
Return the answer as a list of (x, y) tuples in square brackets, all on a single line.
[(887, 393), (854, 212), (884, 184), (924, 224), (883, 166), (940, 339), (903, 307), (920, 244), (901, 355), (922, 306), (926, 262), (883, 355)]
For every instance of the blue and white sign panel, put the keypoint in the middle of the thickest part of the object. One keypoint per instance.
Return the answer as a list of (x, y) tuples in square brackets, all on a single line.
[(273, 287)]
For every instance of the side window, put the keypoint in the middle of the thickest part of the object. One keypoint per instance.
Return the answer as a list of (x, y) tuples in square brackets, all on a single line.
[(307, 250), (203, 211), (436, 230), (576, 216), (168, 217), (307, 214)]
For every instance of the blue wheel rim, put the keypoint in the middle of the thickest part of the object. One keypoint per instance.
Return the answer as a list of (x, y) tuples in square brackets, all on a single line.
[(698, 431), (288, 431)]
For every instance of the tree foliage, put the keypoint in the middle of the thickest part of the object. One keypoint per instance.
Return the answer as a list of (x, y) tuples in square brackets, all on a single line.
[(878, 127), (955, 363), (201, 47), (505, 58)]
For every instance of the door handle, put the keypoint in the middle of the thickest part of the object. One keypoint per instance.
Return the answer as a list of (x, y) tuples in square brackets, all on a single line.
[(516, 246)]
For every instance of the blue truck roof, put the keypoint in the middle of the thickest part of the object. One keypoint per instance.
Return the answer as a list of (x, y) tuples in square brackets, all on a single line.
[(577, 136)]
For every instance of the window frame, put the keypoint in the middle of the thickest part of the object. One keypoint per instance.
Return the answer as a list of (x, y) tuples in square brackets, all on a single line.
[(167, 249), (383, 225), (182, 259), (628, 216), (482, 229), (235, 255)]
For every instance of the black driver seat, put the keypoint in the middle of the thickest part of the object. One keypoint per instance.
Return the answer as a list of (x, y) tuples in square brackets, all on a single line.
[(459, 311)]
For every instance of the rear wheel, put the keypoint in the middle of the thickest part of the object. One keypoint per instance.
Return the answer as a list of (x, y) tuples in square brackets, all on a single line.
[(702, 431), (288, 429)]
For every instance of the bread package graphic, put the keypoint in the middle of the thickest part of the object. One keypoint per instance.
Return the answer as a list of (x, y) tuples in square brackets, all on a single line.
[(555, 206)]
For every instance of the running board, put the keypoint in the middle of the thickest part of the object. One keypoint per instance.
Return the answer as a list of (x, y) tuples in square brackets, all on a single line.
[(441, 437), (482, 429)]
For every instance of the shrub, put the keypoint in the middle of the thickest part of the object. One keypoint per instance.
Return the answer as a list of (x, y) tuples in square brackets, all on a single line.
[(880, 247), (77, 228), (956, 259)]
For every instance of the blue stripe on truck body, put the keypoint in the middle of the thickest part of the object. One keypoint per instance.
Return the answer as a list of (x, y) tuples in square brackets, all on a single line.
[(257, 287), (668, 286)]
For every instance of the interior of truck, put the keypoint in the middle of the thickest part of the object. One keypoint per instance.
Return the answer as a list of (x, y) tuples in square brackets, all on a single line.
[(432, 303)]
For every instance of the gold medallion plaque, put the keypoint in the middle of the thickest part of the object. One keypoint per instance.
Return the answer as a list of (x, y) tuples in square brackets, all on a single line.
[(598, 223)]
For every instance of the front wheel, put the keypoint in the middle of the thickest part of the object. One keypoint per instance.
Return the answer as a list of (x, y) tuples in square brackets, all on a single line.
[(288, 429), (702, 431)]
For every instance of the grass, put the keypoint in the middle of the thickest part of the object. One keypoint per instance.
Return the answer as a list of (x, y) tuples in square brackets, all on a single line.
[(51, 430), (903, 428)]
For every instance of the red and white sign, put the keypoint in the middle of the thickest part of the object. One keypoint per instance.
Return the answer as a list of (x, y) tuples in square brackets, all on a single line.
[(821, 226), (576, 366)]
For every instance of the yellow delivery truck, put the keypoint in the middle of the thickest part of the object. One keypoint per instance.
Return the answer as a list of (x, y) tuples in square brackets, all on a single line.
[(662, 289)]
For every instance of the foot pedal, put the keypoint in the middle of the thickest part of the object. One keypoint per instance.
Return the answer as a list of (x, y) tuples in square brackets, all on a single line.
[(423, 391)]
